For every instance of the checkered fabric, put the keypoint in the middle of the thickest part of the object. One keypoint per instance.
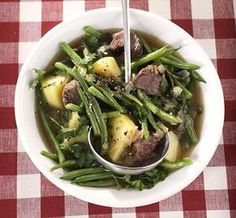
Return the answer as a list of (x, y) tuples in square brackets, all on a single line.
[(24, 192)]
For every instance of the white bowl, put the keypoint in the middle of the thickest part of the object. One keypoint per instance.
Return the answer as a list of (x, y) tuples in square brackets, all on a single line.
[(170, 33)]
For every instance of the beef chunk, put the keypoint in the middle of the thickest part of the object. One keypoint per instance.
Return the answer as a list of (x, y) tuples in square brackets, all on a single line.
[(148, 79), (117, 44), (70, 93), (143, 149)]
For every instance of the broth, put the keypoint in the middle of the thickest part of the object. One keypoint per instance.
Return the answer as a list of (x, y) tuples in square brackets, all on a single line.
[(155, 43)]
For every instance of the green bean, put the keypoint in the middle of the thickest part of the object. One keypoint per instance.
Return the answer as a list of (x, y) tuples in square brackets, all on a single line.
[(174, 76), (66, 164), (92, 32), (125, 101), (92, 109), (92, 42), (179, 60), (81, 81), (94, 113), (147, 47), (99, 183), (117, 95), (111, 114), (162, 52), (156, 110), (53, 69), (145, 44), (64, 68), (152, 120), (132, 98), (174, 58), (74, 73), (194, 73), (98, 114), (92, 177), (76, 173), (74, 107), (197, 76), (48, 130), (71, 53), (177, 164), (180, 65), (111, 99), (89, 112), (49, 155), (145, 128), (102, 124), (191, 131), (96, 93), (186, 93)]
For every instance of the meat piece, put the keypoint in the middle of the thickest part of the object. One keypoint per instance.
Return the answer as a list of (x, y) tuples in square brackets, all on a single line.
[(143, 149), (117, 43), (148, 79), (70, 93)]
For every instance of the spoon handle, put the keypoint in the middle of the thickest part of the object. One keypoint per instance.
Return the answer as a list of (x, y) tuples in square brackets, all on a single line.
[(125, 9)]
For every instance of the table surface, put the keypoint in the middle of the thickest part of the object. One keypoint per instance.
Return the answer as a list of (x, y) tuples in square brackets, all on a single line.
[(24, 192)]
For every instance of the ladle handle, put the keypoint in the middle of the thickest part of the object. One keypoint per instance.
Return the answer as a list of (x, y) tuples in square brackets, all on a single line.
[(125, 8)]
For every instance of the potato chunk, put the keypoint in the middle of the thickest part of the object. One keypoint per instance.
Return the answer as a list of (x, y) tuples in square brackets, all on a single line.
[(107, 67), (174, 149), (73, 124), (52, 86), (122, 131), (74, 120)]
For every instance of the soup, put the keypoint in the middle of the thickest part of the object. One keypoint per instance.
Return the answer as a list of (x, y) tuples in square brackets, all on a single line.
[(130, 122)]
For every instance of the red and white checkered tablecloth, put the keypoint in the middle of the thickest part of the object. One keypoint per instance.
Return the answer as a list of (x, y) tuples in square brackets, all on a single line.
[(24, 192)]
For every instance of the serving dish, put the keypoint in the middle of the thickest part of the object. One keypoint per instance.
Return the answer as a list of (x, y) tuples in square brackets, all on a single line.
[(170, 33)]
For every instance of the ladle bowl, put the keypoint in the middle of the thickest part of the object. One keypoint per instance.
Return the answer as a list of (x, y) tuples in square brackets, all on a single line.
[(161, 149)]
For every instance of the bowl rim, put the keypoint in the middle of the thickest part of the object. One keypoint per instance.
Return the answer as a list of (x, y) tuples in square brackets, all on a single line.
[(47, 173)]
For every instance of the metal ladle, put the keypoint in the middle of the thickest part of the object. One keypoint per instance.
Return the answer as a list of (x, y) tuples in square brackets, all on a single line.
[(127, 44), (162, 147)]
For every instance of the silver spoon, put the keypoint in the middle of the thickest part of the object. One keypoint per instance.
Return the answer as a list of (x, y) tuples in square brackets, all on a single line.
[(125, 10)]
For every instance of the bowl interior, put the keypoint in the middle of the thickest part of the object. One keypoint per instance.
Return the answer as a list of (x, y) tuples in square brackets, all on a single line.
[(152, 24)]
